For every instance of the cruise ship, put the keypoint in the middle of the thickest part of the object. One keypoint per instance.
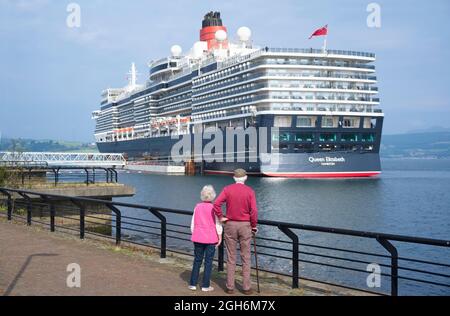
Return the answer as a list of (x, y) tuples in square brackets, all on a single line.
[(316, 111)]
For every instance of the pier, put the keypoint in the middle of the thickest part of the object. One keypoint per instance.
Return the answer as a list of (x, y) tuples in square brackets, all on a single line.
[(71, 174), (167, 240)]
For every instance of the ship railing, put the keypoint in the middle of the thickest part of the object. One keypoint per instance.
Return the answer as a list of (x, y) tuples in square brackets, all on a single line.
[(239, 59), (317, 74), (320, 51), (377, 263), (314, 63), (258, 87), (265, 75), (312, 108)]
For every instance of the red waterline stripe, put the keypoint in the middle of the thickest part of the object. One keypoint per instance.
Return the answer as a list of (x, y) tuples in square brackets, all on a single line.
[(367, 174), (324, 174)]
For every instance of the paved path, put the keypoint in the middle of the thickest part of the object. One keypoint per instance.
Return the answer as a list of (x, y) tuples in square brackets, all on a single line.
[(34, 262)]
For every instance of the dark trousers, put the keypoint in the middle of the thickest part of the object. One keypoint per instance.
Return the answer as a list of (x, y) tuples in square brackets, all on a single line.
[(202, 251)]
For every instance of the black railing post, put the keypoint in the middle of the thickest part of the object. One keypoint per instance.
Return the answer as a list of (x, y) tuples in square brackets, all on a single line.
[(221, 257), (106, 174), (82, 221), (295, 267), (163, 231), (118, 223), (52, 212), (394, 264), (29, 207), (29, 212), (10, 207), (82, 208), (115, 175), (52, 217), (118, 228)]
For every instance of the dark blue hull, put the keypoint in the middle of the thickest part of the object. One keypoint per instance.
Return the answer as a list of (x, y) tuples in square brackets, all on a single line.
[(291, 165)]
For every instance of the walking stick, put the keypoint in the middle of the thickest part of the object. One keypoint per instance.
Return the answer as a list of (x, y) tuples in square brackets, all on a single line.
[(256, 261)]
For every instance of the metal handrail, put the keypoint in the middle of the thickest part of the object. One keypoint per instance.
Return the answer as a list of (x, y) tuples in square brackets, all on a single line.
[(287, 228), (66, 174)]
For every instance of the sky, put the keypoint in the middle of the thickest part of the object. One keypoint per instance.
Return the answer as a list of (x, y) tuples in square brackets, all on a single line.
[(51, 75)]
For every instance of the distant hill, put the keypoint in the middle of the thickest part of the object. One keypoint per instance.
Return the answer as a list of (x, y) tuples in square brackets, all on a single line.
[(31, 145), (417, 145)]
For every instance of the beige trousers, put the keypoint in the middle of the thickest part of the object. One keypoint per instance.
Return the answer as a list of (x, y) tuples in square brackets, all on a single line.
[(234, 233)]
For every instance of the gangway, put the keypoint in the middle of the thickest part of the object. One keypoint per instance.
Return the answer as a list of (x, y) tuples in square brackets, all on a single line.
[(85, 160)]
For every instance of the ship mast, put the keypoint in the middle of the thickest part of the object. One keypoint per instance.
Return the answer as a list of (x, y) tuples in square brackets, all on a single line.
[(132, 79)]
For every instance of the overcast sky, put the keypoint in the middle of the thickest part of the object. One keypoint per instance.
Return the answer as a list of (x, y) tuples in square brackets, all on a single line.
[(52, 75)]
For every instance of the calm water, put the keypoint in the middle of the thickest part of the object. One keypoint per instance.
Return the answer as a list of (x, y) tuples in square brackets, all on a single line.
[(410, 198)]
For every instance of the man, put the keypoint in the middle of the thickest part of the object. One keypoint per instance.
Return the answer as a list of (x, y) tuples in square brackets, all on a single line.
[(241, 224)]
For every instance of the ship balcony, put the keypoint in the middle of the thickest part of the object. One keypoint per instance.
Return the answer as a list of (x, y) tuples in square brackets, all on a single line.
[(207, 85), (255, 88), (216, 89), (285, 105), (308, 108), (316, 64)]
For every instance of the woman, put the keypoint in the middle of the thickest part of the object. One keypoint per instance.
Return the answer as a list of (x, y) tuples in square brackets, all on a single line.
[(206, 235)]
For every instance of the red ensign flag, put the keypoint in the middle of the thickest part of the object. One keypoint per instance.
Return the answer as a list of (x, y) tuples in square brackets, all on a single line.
[(320, 32)]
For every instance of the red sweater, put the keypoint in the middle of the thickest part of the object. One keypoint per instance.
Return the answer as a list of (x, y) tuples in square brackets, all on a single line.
[(241, 204)]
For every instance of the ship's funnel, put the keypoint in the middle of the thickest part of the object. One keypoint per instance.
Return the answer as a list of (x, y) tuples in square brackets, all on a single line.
[(212, 23)]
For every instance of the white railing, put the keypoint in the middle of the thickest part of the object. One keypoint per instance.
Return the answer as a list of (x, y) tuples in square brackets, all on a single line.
[(66, 159)]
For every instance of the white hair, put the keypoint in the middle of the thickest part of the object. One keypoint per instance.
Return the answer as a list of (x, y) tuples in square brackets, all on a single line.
[(241, 180), (208, 193)]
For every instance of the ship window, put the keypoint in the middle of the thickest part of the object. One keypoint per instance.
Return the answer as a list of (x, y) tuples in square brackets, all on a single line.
[(351, 122), (370, 138), (284, 147), (303, 147), (275, 137), (370, 122), (326, 147), (328, 137), (283, 121), (305, 121), (281, 137), (349, 148), (285, 137), (373, 122), (304, 137), (330, 122), (349, 137)]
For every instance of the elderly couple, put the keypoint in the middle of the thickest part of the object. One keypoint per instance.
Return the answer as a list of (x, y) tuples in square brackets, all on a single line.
[(240, 225)]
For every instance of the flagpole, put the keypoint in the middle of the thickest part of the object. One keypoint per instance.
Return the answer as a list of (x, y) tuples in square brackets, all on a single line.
[(325, 43)]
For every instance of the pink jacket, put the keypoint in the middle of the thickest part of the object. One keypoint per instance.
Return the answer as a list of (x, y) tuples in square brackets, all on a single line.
[(205, 226)]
